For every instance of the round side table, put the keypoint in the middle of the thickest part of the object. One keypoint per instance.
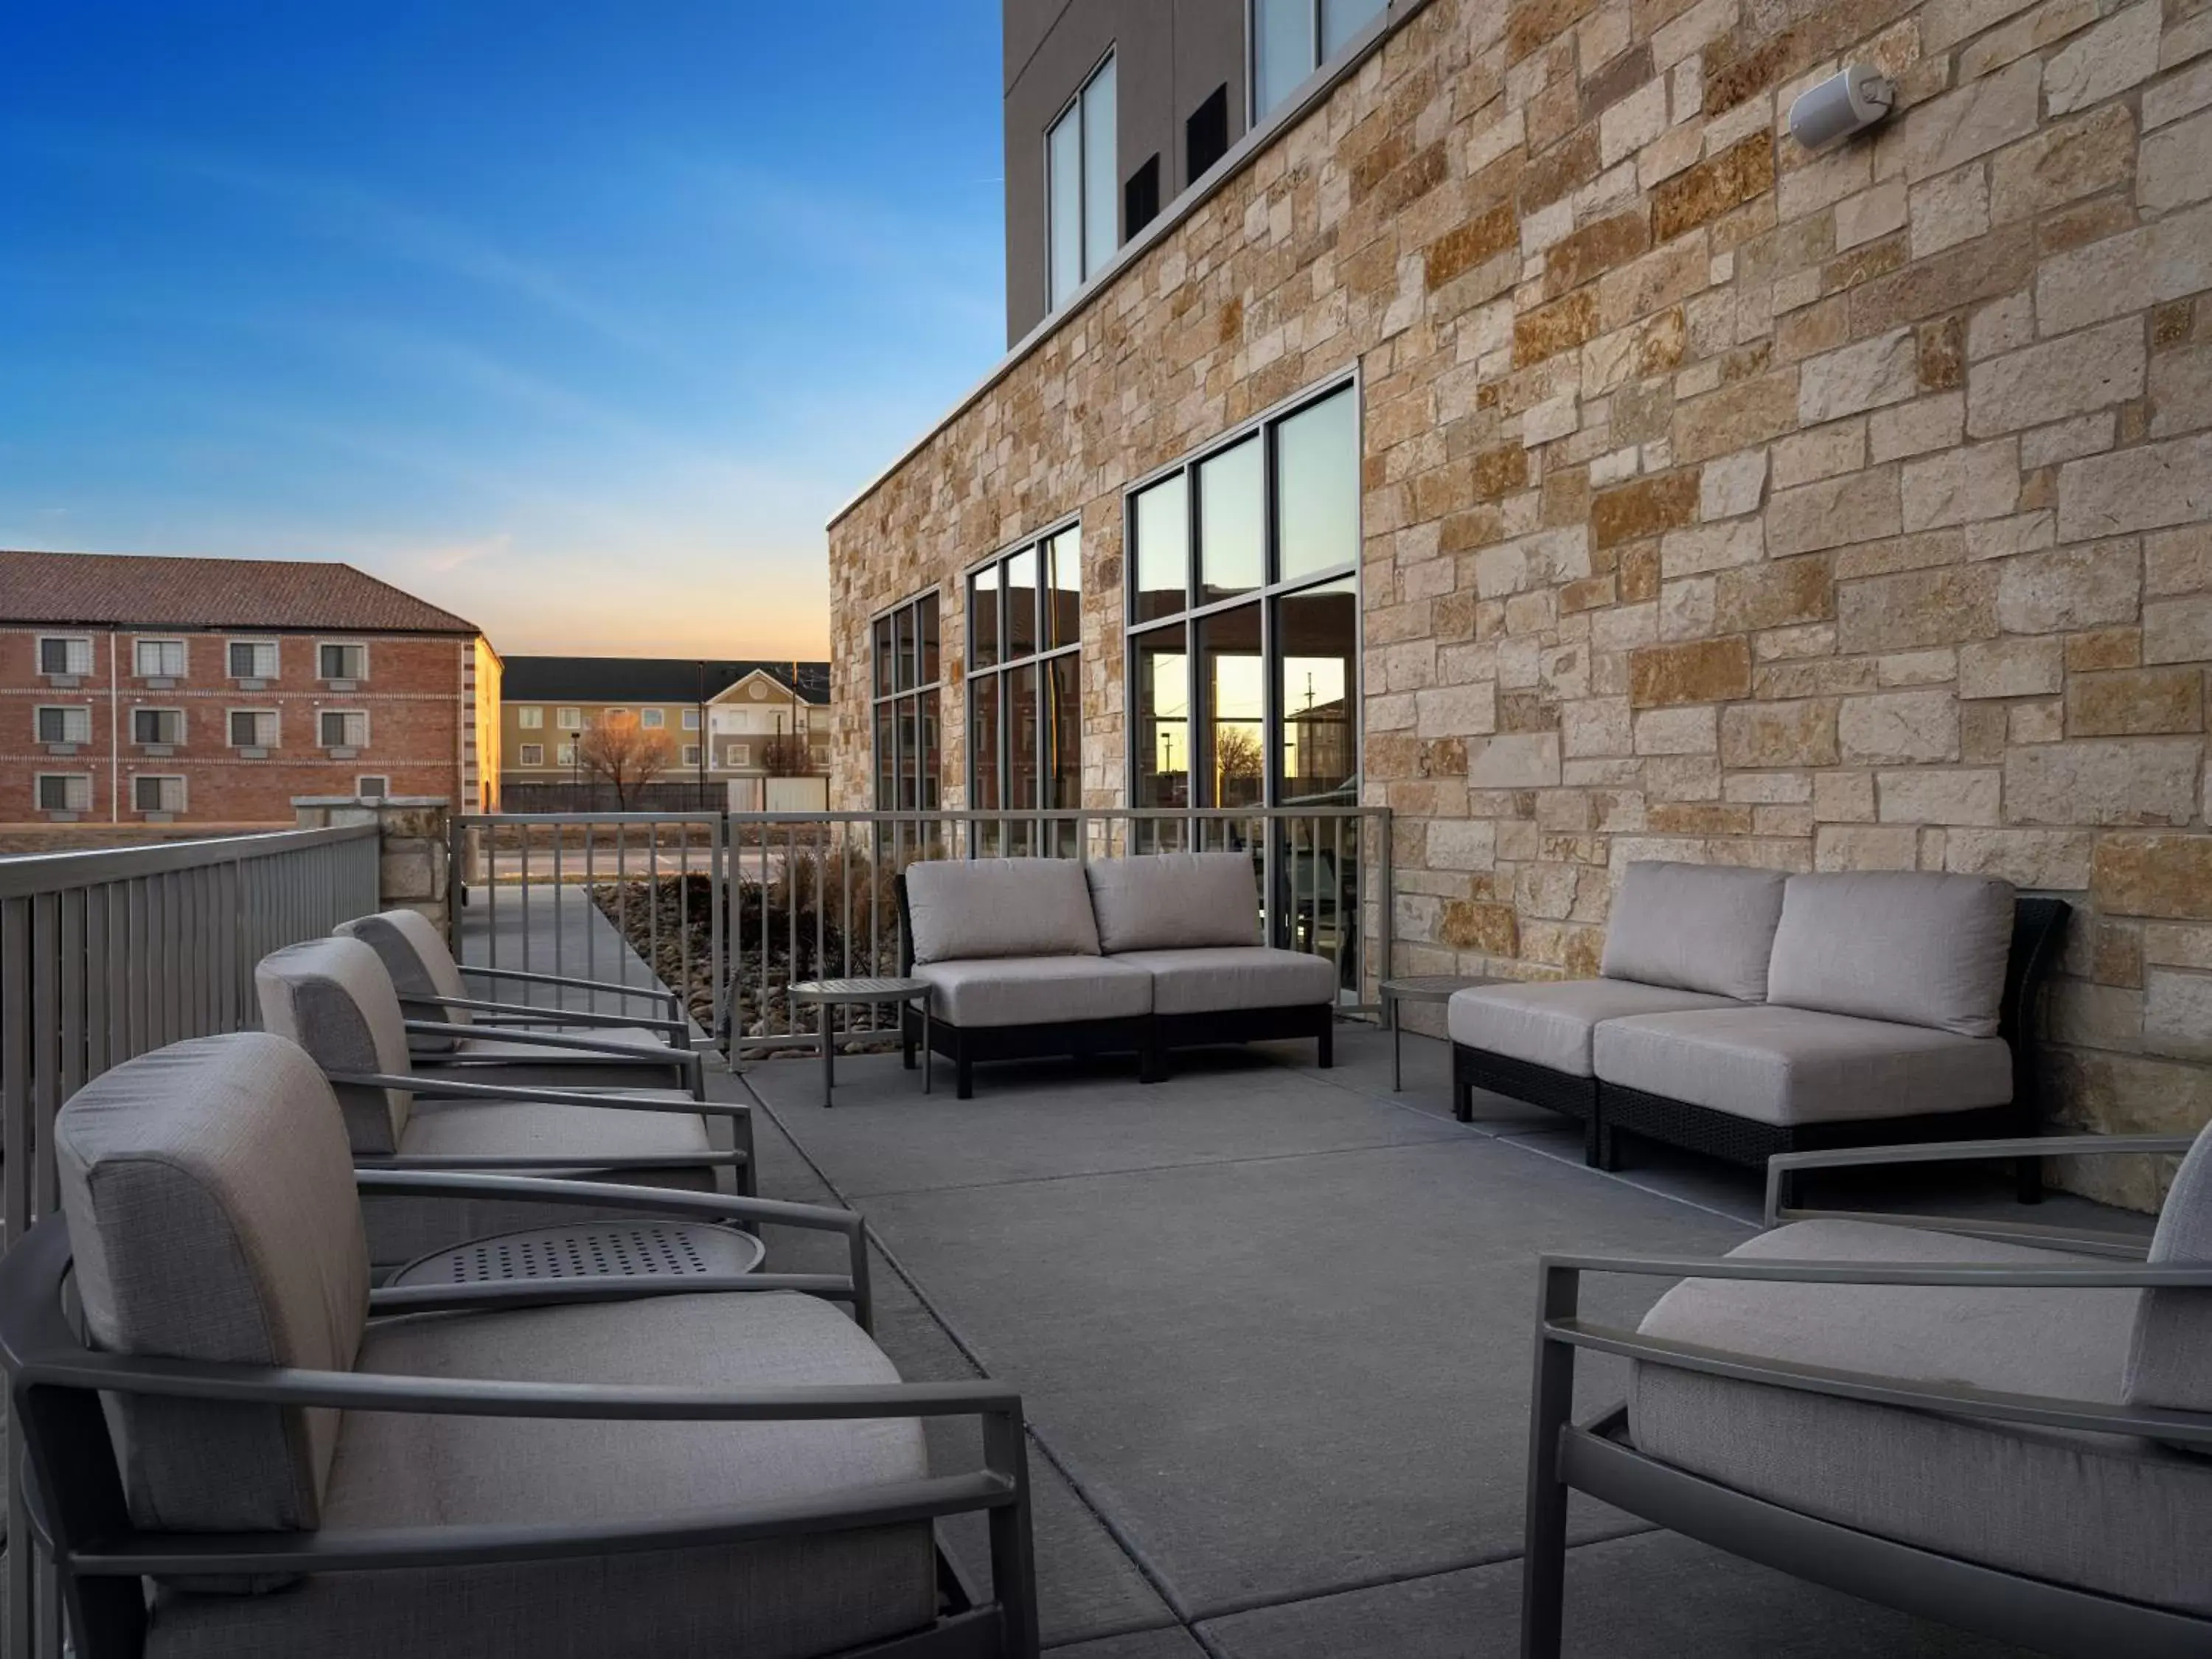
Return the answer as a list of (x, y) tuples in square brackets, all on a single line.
[(827, 994), (1419, 987), (592, 1249)]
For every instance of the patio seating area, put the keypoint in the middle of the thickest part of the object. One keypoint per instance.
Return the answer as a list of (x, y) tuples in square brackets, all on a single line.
[(1272, 1328)]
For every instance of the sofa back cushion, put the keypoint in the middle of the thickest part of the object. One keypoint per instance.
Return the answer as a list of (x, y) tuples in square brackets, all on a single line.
[(1175, 901), (332, 997), (414, 955), (1693, 926), (1907, 945), (2169, 1363), (210, 1194), (966, 909)]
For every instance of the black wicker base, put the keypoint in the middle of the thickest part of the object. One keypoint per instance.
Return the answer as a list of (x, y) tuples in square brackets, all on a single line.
[(1519, 1079), (1622, 1110), (1149, 1038)]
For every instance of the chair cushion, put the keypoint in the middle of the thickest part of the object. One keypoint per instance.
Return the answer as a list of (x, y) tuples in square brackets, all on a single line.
[(1208, 979), (2107, 1513), (1550, 1025), (1693, 926), (963, 910), (1909, 946), (2170, 1360), (1175, 901), (509, 1060), (1035, 990), (332, 997), (1793, 1066), (402, 1229), (779, 1599), (210, 1194), (414, 953)]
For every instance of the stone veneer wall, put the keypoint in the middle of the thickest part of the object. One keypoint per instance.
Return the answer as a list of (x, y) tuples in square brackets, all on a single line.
[(412, 832), (1721, 501)]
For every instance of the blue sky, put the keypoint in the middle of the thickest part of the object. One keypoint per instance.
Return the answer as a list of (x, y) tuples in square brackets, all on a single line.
[(578, 318)]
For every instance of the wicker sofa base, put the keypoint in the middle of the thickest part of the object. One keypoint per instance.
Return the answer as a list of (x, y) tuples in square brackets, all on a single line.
[(1148, 1037), (1622, 1110), (1518, 1080)]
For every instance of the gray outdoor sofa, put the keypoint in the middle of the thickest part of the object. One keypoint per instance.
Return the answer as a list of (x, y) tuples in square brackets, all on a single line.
[(2005, 1427), (334, 999), (1036, 957), (239, 1450), (527, 1043), (1746, 1013)]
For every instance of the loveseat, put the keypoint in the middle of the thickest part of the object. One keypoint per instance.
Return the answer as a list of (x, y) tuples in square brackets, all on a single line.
[(1037, 957), (1746, 1013)]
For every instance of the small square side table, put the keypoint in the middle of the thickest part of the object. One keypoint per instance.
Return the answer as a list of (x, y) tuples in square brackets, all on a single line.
[(827, 994)]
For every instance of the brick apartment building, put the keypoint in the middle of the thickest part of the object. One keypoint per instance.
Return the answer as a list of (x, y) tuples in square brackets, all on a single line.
[(213, 690), (1645, 484)]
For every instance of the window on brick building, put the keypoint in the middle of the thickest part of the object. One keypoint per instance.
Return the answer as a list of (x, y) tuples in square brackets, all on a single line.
[(568, 719), (64, 725), (344, 661), (159, 659), (65, 654), (157, 725), (373, 785), (343, 728), (253, 728), (152, 793), (652, 720), (64, 792), (532, 754), (690, 720), (738, 754), (252, 660), (530, 718), (691, 754)]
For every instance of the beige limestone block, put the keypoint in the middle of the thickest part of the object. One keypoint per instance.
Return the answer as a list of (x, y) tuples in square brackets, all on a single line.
[(2176, 1014), (2056, 379), (1892, 726), (2144, 781), (1950, 209), (1800, 733), (2055, 860), (2181, 384), (1954, 128), (1520, 759), (1858, 507), (1732, 485), (1940, 795), (1691, 730), (1865, 847), (1882, 370), (1916, 428), (1843, 797), (2065, 162), (1944, 605), (1461, 843), (2110, 58), (2012, 668), (2132, 271), (2070, 587), (1824, 452), (2136, 702), (1871, 214), (2178, 630)]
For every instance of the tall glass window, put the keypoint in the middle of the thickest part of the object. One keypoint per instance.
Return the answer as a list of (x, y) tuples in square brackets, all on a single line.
[(1244, 683), (1024, 643), (909, 757), (1082, 198), (1290, 39)]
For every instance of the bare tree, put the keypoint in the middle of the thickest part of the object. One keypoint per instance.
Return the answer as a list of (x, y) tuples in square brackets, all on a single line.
[(1237, 759), (785, 756), (616, 748)]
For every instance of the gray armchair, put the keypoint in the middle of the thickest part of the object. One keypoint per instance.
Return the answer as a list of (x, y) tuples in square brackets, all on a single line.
[(296, 1464), (333, 998), (521, 1042), (2001, 1426)]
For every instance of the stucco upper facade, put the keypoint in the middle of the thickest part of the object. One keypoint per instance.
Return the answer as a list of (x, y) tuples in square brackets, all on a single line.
[(1720, 501)]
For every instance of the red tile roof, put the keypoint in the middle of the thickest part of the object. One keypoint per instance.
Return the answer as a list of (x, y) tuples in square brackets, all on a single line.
[(105, 590)]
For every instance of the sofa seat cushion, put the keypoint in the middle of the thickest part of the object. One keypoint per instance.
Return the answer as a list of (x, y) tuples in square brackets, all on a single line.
[(1035, 990), (1175, 901), (2107, 1513), (775, 1600), (1550, 1025), (1785, 1066), (402, 1229), (964, 909), (1210, 978), (1694, 926), (1911, 946)]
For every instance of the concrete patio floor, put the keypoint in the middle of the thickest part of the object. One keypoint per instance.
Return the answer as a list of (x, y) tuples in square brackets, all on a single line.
[(1272, 1328)]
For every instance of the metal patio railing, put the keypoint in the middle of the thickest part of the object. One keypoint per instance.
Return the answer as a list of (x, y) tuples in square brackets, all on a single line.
[(732, 908), (107, 955)]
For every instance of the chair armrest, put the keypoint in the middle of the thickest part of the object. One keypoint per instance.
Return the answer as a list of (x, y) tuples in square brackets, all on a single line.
[(548, 1040), (550, 1166), (455, 1089), (1560, 1277), (1783, 1164), (611, 987), (529, 1012)]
